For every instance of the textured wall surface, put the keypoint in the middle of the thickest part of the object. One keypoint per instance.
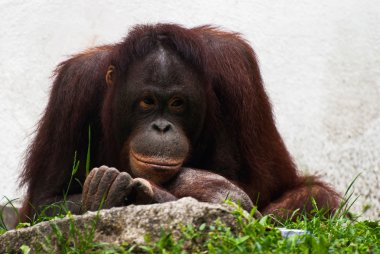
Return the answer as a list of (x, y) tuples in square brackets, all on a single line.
[(320, 63)]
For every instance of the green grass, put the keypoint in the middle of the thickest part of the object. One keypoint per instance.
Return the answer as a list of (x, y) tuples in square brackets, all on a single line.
[(260, 236), (338, 234)]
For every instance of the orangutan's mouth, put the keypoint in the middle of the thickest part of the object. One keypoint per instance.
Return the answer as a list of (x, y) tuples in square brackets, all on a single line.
[(155, 162)]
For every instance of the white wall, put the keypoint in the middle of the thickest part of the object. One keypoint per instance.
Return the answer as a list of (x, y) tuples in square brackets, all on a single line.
[(320, 61)]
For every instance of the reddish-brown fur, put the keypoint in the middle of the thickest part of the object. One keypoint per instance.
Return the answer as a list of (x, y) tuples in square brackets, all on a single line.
[(239, 140)]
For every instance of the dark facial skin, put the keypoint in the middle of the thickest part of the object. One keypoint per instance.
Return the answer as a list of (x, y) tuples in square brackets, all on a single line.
[(160, 109)]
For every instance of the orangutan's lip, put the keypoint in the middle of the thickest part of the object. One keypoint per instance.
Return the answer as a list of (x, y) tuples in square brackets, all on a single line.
[(157, 162)]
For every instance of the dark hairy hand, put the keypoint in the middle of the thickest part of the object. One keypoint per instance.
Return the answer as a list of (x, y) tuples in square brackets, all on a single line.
[(106, 187)]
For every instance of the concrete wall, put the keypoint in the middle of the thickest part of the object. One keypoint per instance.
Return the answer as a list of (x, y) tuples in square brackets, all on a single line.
[(320, 62)]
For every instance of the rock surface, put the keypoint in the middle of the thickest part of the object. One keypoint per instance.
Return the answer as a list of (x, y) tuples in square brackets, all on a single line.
[(9, 215), (125, 224)]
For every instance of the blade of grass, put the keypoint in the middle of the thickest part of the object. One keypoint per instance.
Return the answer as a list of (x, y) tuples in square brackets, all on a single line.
[(88, 157)]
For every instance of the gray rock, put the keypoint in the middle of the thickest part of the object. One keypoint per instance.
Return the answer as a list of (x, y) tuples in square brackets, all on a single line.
[(119, 225), (9, 215)]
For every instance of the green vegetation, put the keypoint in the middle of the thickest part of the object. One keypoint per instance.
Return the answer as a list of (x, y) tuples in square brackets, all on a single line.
[(338, 234)]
